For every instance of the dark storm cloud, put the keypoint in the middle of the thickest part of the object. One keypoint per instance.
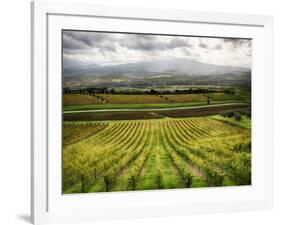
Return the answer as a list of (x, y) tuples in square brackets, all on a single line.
[(237, 42), (180, 42), (218, 47), (139, 42), (73, 41), (203, 45), (186, 52), (70, 43), (84, 40), (151, 43)]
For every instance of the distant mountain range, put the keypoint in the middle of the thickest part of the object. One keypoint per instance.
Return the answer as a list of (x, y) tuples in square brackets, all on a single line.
[(152, 73), (172, 66)]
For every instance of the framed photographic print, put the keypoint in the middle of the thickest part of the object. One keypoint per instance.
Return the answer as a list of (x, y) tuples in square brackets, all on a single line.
[(146, 112)]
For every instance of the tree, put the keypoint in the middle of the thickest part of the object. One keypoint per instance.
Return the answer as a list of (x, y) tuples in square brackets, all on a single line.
[(112, 91), (153, 92)]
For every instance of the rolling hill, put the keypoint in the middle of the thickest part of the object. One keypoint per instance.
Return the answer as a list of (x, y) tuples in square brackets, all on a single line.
[(174, 71)]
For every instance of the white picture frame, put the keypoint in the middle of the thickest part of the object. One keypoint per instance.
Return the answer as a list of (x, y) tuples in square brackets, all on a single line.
[(47, 202)]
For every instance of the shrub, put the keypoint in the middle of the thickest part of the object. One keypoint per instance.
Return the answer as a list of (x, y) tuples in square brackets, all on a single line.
[(237, 117), (246, 112), (228, 114)]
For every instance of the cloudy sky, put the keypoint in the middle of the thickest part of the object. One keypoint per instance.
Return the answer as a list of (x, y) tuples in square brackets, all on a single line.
[(84, 48)]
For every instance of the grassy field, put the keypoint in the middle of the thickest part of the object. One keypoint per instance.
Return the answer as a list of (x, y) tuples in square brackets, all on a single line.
[(155, 154), (79, 99), (115, 101), (245, 121)]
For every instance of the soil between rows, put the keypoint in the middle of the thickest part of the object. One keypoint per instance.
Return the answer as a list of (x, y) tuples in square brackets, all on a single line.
[(133, 115)]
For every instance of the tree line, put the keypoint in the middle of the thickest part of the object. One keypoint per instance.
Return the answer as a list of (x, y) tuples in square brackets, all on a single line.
[(105, 90)]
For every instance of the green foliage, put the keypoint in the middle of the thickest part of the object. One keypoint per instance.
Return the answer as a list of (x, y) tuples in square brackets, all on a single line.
[(132, 181), (187, 179), (244, 122), (228, 114), (213, 176), (108, 181), (237, 114), (134, 155), (74, 132), (159, 179)]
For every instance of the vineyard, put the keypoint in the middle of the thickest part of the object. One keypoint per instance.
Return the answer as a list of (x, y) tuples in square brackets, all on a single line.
[(155, 154)]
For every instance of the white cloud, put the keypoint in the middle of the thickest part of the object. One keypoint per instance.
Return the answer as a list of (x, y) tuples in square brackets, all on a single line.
[(116, 48)]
